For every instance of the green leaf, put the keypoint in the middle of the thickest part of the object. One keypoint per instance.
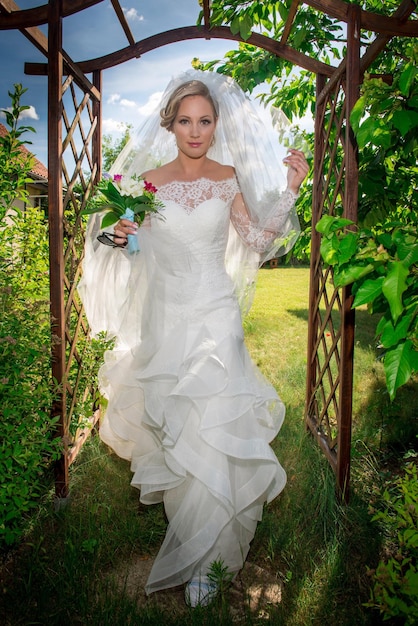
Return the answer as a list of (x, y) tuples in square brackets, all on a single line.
[(299, 37), (382, 137), (90, 210), (357, 113), (392, 334), (393, 287), (406, 79), (382, 323), (398, 365), (112, 195), (283, 10), (366, 131), (368, 291), (328, 224), (347, 247), (348, 275), (109, 219), (235, 25), (402, 122), (408, 253), (329, 249), (245, 26)]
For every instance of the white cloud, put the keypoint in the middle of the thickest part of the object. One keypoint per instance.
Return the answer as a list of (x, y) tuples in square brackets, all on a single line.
[(116, 98), (152, 102), (113, 126), (113, 98), (132, 14), (127, 103), (29, 113)]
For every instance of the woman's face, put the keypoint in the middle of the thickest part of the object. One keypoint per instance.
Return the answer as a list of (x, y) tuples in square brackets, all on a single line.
[(194, 126)]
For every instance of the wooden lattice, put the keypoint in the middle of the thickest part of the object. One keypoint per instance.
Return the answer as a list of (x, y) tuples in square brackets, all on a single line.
[(331, 319), (78, 186), (74, 161)]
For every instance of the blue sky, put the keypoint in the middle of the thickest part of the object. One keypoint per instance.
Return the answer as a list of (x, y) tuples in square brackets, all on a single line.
[(130, 90)]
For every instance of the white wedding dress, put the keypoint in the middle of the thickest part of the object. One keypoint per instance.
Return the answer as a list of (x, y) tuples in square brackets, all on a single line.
[(186, 405)]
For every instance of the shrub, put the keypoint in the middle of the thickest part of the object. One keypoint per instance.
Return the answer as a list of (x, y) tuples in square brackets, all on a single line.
[(26, 441), (395, 586), (27, 446)]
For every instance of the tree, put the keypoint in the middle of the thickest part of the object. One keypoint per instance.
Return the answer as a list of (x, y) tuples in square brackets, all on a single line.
[(391, 155), (111, 148), (380, 257)]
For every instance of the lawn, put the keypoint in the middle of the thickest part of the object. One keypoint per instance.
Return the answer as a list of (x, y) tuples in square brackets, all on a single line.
[(86, 564)]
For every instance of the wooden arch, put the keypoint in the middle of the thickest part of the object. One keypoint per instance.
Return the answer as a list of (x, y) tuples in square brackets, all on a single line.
[(74, 105)]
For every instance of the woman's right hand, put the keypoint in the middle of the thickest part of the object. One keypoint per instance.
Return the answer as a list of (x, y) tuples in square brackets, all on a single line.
[(122, 229)]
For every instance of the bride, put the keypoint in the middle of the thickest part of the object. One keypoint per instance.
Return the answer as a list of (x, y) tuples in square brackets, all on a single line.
[(186, 405)]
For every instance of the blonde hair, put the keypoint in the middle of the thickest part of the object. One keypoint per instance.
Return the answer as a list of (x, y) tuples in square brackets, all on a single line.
[(191, 88)]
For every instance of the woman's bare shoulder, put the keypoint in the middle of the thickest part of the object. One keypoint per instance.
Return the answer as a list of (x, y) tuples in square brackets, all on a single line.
[(169, 172), (217, 171), (154, 176)]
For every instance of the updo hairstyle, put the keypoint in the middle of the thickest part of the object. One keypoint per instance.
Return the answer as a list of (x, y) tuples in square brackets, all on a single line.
[(191, 88)]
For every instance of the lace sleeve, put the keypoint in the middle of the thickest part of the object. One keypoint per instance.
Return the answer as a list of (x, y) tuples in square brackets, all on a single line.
[(261, 236)]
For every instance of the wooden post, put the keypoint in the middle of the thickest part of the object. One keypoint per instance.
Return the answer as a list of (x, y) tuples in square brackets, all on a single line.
[(97, 136), (315, 255), (350, 212), (56, 256)]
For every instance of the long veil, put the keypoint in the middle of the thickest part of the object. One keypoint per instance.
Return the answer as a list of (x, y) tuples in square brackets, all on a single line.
[(241, 140)]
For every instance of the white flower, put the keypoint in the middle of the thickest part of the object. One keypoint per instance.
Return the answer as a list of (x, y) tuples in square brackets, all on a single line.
[(131, 187)]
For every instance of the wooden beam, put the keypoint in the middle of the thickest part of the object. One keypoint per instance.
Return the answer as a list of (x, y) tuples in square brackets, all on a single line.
[(289, 21), (122, 20), (403, 12), (334, 80), (333, 8), (56, 236), (41, 42), (350, 212), (206, 13), (25, 18), (317, 203), (35, 36), (388, 25), (72, 68), (97, 136), (192, 32), (385, 24)]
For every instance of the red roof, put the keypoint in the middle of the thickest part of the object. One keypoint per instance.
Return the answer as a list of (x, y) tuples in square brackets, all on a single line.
[(38, 170)]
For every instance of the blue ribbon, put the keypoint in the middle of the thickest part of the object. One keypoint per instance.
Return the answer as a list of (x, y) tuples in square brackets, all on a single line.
[(133, 246)]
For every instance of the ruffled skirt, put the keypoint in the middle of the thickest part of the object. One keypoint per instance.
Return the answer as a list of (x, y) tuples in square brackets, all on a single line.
[(195, 417)]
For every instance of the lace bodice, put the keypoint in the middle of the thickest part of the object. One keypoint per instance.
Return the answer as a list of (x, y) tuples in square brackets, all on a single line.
[(205, 251), (190, 195)]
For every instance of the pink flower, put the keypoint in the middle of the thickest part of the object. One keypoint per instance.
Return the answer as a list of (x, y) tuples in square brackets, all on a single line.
[(117, 178), (149, 187)]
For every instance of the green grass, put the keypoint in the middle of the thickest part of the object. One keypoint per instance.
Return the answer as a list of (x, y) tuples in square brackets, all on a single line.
[(82, 564)]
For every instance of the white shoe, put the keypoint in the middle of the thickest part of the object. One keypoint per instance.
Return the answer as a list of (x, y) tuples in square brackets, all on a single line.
[(200, 591)]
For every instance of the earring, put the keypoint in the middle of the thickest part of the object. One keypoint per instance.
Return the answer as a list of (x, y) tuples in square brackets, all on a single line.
[(212, 143)]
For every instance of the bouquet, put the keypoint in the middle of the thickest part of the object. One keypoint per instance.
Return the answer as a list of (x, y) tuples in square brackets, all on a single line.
[(123, 197)]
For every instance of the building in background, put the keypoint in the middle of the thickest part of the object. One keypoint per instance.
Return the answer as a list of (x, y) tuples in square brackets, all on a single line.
[(37, 188)]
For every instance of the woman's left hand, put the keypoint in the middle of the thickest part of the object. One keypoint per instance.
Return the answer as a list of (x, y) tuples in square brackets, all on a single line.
[(297, 169)]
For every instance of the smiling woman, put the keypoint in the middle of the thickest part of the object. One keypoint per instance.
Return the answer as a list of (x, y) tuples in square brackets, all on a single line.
[(194, 126), (185, 404)]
